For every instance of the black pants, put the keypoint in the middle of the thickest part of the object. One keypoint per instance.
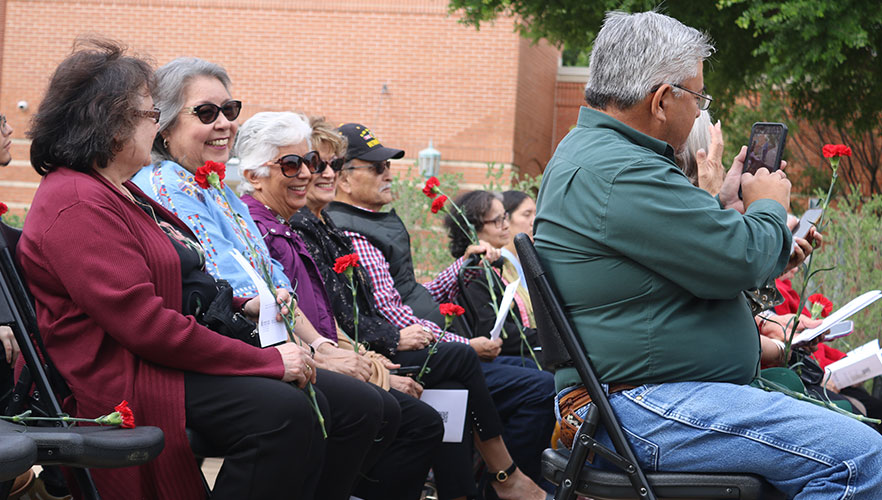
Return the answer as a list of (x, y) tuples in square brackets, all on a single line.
[(456, 366), (270, 438), (401, 470)]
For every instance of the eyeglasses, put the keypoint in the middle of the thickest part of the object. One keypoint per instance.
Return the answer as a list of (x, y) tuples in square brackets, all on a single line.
[(499, 221), (703, 100), (153, 114), (378, 166), (207, 113), (291, 164), (335, 163)]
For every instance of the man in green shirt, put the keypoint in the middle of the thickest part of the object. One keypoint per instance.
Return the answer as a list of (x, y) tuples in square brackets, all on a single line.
[(650, 270)]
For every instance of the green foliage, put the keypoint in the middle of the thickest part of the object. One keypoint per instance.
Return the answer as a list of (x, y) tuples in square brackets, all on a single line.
[(13, 220), (428, 236), (853, 248), (824, 54)]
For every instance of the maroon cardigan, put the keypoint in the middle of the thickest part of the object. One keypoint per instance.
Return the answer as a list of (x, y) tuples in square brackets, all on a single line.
[(107, 285)]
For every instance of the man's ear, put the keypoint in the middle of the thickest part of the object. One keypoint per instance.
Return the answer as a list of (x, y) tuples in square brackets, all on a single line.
[(344, 184), (659, 101)]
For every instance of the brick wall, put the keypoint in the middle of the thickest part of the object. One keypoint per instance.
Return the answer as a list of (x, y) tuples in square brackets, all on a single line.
[(569, 97), (409, 70)]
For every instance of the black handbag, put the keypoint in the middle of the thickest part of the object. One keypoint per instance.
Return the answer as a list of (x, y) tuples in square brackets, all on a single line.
[(220, 317)]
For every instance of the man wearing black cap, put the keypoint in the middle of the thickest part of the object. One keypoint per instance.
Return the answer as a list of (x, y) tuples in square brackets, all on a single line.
[(523, 396)]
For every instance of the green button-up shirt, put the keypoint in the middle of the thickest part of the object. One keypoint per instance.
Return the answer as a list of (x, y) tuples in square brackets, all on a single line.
[(649, 267)]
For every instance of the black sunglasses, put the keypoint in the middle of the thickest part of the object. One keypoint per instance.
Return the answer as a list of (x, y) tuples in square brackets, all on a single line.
[(207, 113), (291, 164), (336, 165), (378, 166)]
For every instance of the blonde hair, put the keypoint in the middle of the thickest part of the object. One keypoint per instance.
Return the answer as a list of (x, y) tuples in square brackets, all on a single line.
[(325, 133)]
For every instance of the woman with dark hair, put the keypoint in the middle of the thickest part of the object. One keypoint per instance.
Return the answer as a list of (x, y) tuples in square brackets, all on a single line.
[(521, 210), (485, 212), (110, 269)]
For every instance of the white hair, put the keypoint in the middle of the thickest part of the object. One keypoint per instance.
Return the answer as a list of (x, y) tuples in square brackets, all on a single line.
[(633, 53), (260, 138), (699, 138)]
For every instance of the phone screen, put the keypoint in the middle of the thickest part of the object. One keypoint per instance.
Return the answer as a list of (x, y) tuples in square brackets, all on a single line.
[(766, 147)]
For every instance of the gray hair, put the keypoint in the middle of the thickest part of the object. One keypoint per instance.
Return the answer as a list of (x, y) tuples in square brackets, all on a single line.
[(633, 53), (260, 138), (171, 84), (699, 138)]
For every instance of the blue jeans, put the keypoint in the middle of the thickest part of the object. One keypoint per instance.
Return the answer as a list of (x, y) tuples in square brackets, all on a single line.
[(806, 451), (524, 398)]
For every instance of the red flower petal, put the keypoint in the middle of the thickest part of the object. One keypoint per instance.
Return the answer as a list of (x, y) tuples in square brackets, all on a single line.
[(431, 184), (438, 203), (128, 416), (3, 208), (835, 150), (448, 309), (820, 299), (345, 262)]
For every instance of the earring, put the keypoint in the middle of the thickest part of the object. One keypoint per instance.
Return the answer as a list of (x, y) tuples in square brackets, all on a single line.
[(165, 144)]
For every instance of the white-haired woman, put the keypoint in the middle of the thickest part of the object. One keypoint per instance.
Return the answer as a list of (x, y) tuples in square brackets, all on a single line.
[(702, 156), (199, 125), (277, 163)]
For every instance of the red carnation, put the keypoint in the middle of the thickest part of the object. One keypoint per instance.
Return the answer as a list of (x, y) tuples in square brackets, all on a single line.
[(210, 174), (820, 306), (431, 184), (438, 203), (345, 262), (128, 417), (836, 150), (449, 309), (3, 208)]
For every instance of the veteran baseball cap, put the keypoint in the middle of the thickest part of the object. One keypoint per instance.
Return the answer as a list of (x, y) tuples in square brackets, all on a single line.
[(364, 146)]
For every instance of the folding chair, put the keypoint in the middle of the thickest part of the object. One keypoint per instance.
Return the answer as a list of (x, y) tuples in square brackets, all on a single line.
[(566, 468), (39, 387), (18, 453)]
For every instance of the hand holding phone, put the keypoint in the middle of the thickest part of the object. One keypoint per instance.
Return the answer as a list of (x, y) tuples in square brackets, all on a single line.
[(765, 148), (808, 219)]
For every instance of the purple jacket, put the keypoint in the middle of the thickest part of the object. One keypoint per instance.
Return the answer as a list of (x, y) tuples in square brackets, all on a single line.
[(286, 247)]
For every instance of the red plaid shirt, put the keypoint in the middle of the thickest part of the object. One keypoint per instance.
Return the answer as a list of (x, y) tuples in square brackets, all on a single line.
[(443, 288)]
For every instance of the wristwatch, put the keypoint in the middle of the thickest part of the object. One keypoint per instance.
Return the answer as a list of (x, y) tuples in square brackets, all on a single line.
[(503, 475)]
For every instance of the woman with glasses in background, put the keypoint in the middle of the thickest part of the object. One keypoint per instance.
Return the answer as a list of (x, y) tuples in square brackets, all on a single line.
[(198, 124), (485, 212)]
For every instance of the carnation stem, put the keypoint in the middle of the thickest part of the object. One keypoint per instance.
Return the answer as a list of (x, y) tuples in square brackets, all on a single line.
[(287, 319)]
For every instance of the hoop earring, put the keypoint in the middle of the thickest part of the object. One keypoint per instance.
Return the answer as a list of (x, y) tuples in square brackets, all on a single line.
[(165, 144)]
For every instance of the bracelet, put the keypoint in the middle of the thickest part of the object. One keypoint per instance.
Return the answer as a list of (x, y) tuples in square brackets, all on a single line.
[(314, 345), (781, 348), (312, 352)]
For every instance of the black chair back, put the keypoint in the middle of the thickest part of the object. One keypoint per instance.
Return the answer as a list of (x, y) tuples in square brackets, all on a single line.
[(567, 468), (40, 387), (552, 321)]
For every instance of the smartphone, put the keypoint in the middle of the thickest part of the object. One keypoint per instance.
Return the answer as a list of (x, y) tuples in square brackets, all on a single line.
[(766, 147), (405, 370), (808, 219)]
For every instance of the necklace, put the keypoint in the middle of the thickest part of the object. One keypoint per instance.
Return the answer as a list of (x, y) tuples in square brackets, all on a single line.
[(147, 208)]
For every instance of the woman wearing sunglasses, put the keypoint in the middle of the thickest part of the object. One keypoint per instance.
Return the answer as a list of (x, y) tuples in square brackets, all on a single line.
[(110, 270), (198, 124), (277, 163)]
